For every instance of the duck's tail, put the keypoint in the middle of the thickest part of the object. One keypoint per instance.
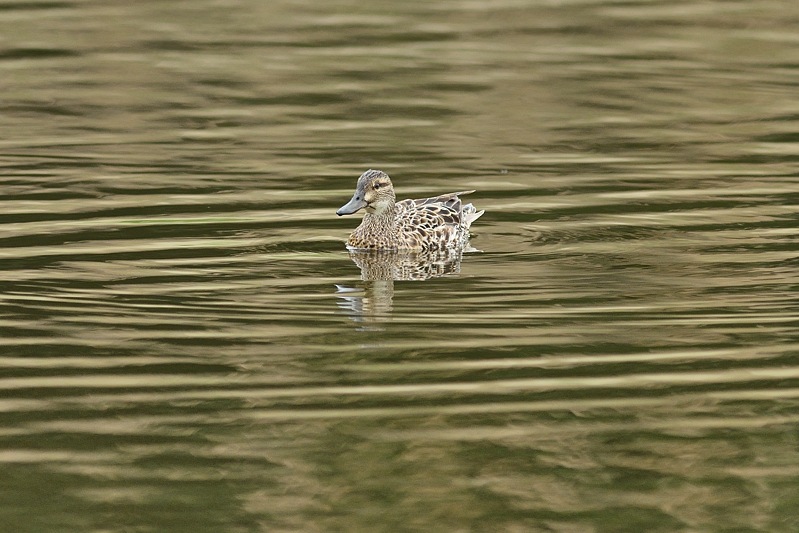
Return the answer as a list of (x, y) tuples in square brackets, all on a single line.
[(470, 214)]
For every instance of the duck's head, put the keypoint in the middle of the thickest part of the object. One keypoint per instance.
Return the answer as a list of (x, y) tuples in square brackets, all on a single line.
[(374, 191)]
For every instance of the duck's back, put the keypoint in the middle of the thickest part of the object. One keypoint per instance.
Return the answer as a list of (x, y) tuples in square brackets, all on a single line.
[(435, 223)]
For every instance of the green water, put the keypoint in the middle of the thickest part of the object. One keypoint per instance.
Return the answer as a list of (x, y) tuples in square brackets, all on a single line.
[(187, 345)]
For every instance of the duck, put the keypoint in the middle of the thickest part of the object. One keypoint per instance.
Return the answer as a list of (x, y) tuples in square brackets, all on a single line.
[(437, 223)]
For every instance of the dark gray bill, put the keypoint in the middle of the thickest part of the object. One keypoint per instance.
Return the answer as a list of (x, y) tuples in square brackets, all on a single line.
[(352, 206)]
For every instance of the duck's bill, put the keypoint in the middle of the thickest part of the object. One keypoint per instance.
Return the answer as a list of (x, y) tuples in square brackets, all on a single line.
[(352, 206)]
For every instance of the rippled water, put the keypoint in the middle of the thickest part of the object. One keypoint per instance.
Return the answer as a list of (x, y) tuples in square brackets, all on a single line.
[(187, 343)]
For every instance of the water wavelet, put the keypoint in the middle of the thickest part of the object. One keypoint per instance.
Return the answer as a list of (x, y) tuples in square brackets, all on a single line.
[(621, 357)]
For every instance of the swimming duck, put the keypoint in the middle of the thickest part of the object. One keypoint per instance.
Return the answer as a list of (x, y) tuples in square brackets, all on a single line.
[(426, 224)]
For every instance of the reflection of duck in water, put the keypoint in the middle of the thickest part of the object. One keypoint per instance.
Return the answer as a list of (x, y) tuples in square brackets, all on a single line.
[(380, 268), (439, 223), (407, 264)]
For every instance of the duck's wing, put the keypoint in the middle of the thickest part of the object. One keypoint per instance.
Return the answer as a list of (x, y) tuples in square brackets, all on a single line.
[(437, 222), (430, 225)]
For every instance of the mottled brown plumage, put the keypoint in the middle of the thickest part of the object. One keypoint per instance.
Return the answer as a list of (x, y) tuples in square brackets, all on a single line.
[(435, 223)]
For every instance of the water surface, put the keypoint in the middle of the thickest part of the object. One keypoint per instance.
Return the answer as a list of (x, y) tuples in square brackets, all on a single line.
[(187, 343)]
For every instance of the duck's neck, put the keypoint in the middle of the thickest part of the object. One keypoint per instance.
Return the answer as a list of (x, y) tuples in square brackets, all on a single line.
[(382, 218), (382, 222)]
